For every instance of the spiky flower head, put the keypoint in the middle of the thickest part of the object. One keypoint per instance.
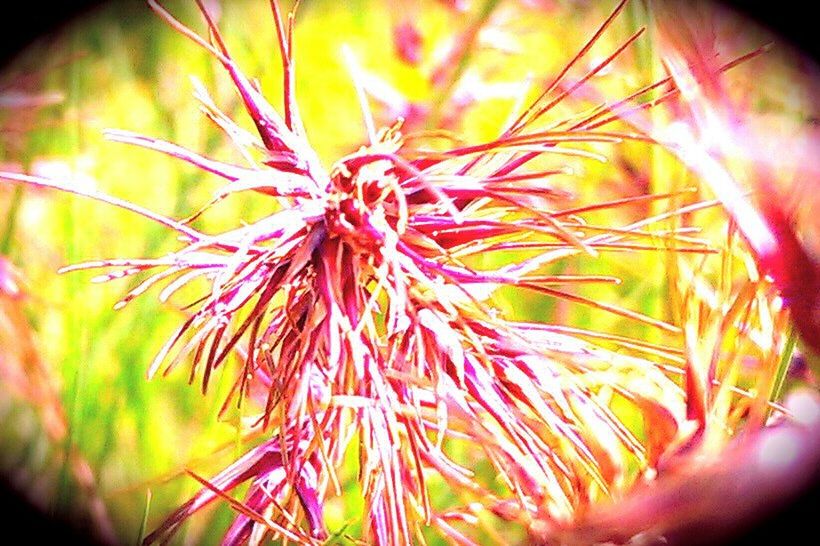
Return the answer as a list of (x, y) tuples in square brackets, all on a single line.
[(364, 320)]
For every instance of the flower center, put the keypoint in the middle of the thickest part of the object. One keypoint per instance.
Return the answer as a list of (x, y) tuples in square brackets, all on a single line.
[(362, 205)]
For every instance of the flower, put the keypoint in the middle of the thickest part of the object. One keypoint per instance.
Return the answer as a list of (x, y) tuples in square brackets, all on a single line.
[(364, 319)]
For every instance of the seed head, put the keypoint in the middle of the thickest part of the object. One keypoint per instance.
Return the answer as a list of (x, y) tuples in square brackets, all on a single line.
[(364, 319)]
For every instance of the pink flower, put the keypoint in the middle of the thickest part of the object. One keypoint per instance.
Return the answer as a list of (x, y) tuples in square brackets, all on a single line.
[(364, 320)]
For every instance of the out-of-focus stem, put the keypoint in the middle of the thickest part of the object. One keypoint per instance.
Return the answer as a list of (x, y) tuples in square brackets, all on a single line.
[(11, 220), (464, 52), (756, 476), (783, 367)]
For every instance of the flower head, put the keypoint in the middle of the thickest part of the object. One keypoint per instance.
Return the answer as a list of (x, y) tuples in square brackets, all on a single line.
[(363, 316)]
